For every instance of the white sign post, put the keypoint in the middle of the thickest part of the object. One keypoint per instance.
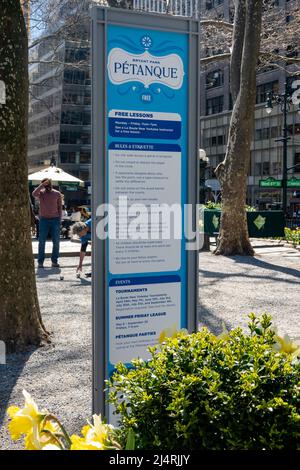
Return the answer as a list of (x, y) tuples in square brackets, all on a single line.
[(145, 171)]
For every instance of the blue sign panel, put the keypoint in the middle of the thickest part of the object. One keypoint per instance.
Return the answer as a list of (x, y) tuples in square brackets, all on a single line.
[(146, 165)]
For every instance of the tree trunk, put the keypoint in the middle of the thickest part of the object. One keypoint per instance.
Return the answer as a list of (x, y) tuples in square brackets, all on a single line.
[(20, 320), (232, 172), (237, 49)]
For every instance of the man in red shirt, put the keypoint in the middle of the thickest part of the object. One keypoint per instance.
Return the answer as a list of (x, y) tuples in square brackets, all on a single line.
[(50, 217)]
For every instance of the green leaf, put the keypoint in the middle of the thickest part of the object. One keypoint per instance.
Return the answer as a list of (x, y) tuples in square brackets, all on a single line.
[(130, 443)]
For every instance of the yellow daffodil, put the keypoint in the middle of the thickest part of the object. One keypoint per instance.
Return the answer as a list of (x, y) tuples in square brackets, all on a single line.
[(26, 421), (171, 332), (45, 437), (29, 422), (96, 436), (287, 345)]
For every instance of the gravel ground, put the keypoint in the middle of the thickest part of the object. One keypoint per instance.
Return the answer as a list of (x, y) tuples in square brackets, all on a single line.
[(232, 287), (59, 376)]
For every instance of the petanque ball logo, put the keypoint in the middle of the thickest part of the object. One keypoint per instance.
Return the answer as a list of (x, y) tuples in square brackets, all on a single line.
[(146, 42)]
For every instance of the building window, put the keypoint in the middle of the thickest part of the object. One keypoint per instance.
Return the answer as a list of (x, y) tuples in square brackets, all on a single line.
[(72, 98), (70, 137), (275, 131), (257, 135), (84, 175), (87, 98), (86, 119), (277, 169), (86, 138), (297, 162), (85, 157), (214, 105), (264, 89), (257, 169), (74, 76), (67, 157), (294, 129), (221, 139), (71, 117), (214, 79), (266, 168), (267, 133), (214, 140), (77, 55)]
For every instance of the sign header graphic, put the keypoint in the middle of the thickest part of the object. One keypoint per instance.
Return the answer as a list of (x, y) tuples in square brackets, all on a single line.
[(145, 68)]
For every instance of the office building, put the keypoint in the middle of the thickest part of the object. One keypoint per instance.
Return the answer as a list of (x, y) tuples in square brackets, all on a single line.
[(216, 106)]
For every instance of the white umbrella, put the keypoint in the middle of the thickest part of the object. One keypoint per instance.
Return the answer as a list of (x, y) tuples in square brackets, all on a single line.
[(57, 175)]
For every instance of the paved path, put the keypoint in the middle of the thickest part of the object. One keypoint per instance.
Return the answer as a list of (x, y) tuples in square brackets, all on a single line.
[(59, 375), (67, 247), (230, 288)]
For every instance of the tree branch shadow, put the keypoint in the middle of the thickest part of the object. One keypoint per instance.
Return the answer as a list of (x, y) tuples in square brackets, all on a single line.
[(259, 263), (9, 375), (215, 276), (205, 317)]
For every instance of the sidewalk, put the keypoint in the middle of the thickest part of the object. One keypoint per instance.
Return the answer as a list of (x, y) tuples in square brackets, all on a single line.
[(67, 248)]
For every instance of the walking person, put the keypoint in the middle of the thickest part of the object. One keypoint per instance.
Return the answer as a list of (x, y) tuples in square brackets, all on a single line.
[(50, 217)]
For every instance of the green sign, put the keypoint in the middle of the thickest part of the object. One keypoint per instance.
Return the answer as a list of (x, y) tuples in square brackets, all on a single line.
[(69, 187), (270, 183), (293, 183)]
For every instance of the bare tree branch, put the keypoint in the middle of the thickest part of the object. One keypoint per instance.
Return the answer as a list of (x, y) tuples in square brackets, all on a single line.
[(215, 58), (44, 104), (217, 24)]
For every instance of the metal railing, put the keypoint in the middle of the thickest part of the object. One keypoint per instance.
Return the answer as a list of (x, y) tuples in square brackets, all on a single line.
[(189, 8)]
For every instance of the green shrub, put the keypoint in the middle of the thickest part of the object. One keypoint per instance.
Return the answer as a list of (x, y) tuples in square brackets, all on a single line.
[(218, 206), (206, 392), (250, 208), (292, 235), (213, 205)]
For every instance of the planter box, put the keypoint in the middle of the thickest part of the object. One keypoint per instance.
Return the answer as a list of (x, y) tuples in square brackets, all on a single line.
[(261, 224)]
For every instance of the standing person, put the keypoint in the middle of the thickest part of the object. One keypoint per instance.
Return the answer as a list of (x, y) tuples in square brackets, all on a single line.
[(50, 217), (34, 220), (83, 230)]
